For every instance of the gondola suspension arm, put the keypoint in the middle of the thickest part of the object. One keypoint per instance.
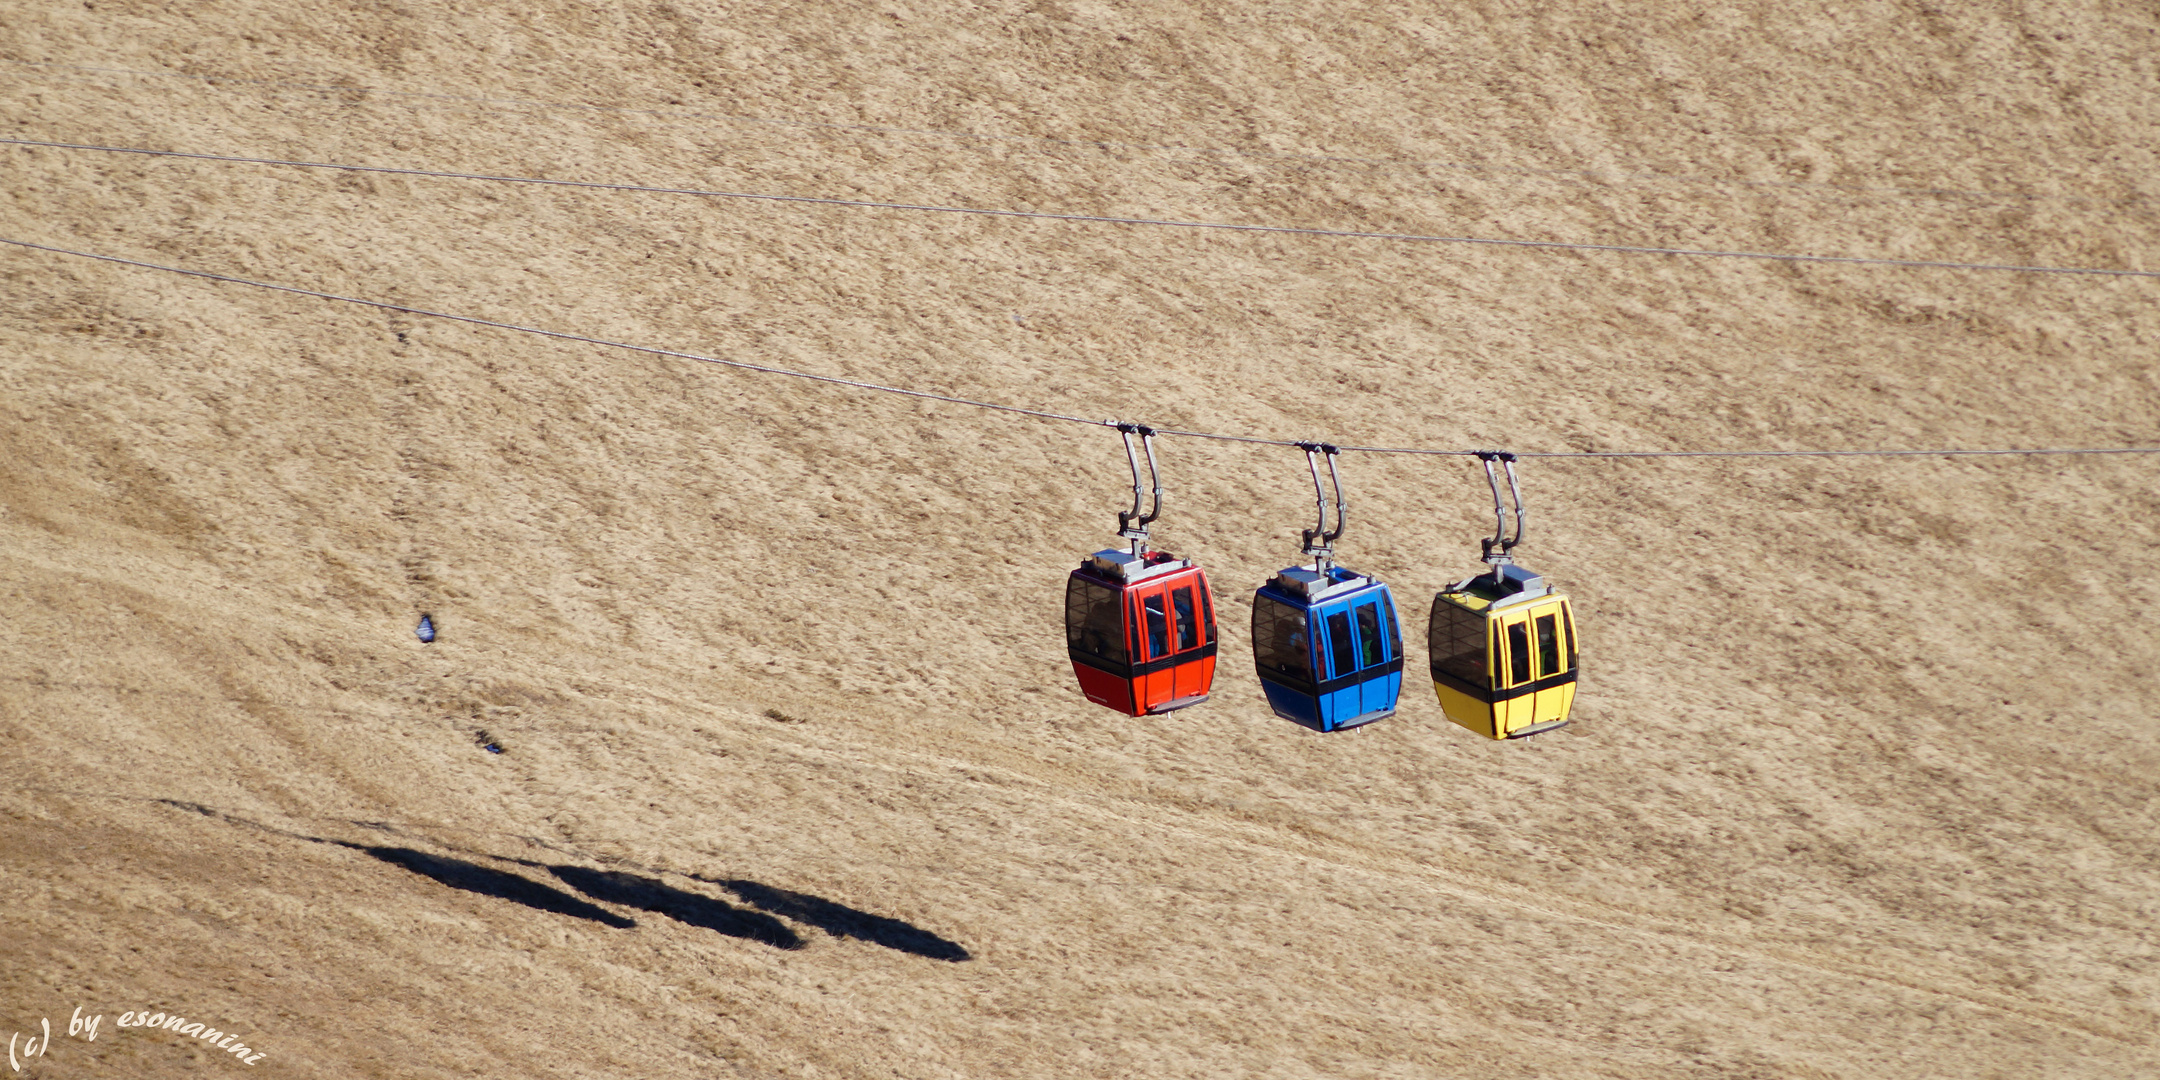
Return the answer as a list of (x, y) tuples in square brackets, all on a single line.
[(1132, 524), (1500, 537), (1320, 542)]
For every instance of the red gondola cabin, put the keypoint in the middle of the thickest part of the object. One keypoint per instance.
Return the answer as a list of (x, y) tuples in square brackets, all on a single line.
[(1141, 631)]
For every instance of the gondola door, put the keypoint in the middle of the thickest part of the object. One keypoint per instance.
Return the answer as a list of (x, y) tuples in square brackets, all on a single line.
[(1174, 663), (1364, 665), (1342, 693), (1192, 630), (1157, 672), (1550, 632), (1514, 665), (1535, 661), (1379, 648)]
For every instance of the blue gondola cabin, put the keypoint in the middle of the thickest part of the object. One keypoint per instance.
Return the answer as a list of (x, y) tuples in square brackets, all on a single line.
[(1328, 647)]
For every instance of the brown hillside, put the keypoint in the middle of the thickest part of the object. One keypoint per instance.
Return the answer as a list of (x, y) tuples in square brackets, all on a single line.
[(795, 780)]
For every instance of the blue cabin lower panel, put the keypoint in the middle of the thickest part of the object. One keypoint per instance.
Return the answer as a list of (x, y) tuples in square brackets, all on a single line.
[(1360, 703), (1373, 699), (1291, 704)]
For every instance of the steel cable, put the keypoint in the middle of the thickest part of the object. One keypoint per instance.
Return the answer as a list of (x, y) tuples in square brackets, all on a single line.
[(508, 104), (1021, 410), (1098, 219)]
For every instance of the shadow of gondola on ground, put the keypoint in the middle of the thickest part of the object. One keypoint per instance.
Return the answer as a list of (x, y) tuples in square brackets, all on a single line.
[(635, 891), (649, 894), (474, 878), (842, 921)]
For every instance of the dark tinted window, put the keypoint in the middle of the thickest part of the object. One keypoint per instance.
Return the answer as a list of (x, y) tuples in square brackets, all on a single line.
[(1188, 621), (1548, 645), (1279, 645), (1567, 621), (1518, 652), (1457, 642), (1371, 637), (1092, 625), (1158, 625), (1338, 627), (1207, 611)]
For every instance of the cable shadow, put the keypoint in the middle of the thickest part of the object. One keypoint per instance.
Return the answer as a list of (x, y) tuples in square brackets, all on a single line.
[(842, 921), (683, 906), (474, 878)]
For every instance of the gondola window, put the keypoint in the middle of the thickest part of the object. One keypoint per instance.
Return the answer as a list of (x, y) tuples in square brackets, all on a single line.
[(1188, 623), (1518, 648), (1458, 643), (1158, 626), (1092, 625), (1372, 638), (1279, 641), (1339, 639)]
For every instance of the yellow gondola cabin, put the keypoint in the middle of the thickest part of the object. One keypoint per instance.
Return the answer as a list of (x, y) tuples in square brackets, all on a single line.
[(1503, 653)]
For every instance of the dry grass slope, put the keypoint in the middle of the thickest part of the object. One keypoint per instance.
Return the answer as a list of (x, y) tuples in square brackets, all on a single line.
[(793, 781)]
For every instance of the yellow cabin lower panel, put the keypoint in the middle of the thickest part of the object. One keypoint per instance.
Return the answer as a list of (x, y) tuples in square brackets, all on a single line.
[(1466, 710), (1520, 713), (1501, 719), (1543, 707)]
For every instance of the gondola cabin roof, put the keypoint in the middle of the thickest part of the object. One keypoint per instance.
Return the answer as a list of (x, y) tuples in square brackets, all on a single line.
[(1125, 568), (1312, 586), (1482, 594)]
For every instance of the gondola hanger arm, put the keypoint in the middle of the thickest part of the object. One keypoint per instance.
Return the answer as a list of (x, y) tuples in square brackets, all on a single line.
[(1319, 542), (1500, 538), (1132, 524)]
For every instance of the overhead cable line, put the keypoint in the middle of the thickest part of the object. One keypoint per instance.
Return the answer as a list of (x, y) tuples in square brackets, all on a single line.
[(1097, 219), (1021, 410), (477, 321), (1047, 140)]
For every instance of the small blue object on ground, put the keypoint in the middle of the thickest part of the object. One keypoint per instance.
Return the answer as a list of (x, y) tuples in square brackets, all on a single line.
[(426, 630)]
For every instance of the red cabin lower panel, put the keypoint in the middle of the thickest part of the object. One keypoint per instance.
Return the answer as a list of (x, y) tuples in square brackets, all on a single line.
[(1182, 683), (1173, 687), (1103, 688)]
